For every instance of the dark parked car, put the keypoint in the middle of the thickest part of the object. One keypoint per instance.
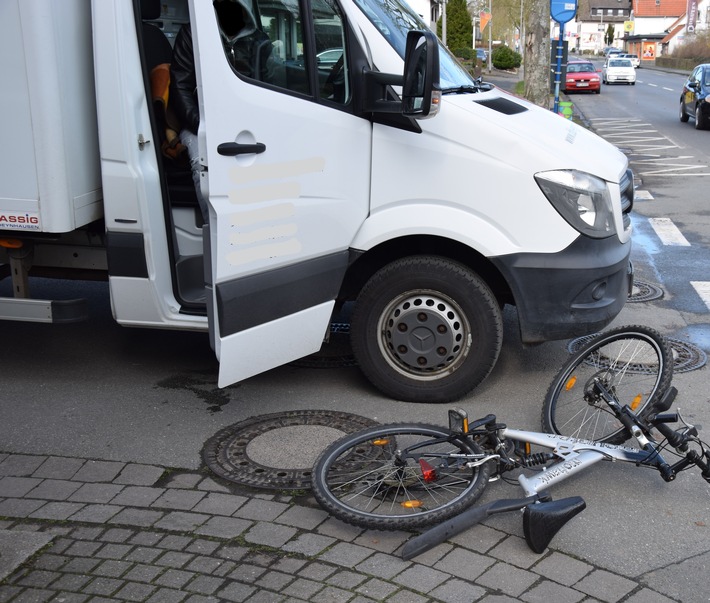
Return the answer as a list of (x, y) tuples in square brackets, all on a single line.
[(582, 75), (694, 98)]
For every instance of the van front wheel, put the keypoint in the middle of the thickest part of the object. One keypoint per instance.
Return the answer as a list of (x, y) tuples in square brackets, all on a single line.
[(426, 329)]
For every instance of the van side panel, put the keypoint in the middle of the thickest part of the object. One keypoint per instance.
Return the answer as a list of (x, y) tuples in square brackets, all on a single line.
[(47, 111)]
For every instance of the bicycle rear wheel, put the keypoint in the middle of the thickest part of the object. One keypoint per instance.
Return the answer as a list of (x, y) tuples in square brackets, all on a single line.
[(398, 477), (633, 362)]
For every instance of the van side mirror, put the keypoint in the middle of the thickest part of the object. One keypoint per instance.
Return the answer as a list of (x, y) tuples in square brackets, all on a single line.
[(421, 95)]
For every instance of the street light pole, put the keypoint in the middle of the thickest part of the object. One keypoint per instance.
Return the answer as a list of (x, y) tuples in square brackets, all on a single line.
[(443, 24), (521, 38), (490, 37)]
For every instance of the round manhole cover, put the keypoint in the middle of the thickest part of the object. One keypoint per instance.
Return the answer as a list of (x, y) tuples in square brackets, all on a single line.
[(335, 353), (686, 356), (277, 451), (643, 292)]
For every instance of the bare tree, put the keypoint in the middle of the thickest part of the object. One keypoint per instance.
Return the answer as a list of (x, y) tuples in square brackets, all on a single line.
[(536, 55)]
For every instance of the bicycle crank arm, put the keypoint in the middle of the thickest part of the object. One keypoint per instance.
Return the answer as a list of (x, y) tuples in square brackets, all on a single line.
[(459, 523)]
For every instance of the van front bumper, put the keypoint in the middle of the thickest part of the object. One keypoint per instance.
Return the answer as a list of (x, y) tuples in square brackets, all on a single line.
[(571, 293)]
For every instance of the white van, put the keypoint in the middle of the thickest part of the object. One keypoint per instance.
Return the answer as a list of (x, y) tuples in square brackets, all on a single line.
[(326, 184)]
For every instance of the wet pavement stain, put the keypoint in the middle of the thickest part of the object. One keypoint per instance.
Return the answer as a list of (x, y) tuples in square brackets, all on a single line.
[(200, 385)]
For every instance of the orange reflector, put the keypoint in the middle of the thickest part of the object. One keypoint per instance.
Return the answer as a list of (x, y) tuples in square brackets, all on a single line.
[(570, 383), (380, 442), (412, 504), (636, 402), (11, 243)]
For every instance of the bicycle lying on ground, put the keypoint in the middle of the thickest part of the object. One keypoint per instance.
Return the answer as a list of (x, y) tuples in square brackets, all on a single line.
[(410, 475)]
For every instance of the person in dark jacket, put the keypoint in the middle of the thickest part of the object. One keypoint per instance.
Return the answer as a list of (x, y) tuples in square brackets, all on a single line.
[(248, 50)]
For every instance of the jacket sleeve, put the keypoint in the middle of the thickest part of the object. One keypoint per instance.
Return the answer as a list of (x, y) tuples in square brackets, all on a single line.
[(183, 81)]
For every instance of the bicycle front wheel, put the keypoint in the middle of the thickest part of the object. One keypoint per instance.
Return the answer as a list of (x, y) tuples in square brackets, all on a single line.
[(398, 477), (634, 363)]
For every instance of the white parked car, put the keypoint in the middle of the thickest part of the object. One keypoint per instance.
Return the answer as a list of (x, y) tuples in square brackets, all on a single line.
[(634, 58), (618, 71)]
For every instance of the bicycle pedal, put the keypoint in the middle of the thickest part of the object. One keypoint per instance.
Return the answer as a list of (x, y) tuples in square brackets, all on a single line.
[(458, 421)]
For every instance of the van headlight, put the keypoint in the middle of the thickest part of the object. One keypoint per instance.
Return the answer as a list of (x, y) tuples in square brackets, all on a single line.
[(581, 199)]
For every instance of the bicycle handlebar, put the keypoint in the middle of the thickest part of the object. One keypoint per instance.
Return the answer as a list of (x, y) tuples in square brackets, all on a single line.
[(677, 439)]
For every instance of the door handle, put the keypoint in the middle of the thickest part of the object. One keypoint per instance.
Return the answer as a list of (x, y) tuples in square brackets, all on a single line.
[(234, 148)]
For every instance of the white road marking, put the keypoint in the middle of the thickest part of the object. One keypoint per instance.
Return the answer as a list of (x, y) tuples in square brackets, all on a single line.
[(641, 142), (703, 289), (668, 232), (642, 195)]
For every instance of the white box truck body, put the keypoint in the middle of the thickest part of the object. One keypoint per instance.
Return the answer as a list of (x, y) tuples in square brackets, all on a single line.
[(325, 182)]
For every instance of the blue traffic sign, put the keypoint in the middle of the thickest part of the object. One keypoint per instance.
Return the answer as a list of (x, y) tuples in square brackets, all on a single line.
[(563, 11)]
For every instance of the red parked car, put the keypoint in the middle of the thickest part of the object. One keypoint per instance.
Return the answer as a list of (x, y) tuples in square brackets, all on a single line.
[(582, 75)]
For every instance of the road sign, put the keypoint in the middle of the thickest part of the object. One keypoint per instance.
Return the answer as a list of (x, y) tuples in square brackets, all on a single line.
[(563, 11)]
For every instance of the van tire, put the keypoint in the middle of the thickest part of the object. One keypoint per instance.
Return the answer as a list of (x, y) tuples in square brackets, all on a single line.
[(422, 298)]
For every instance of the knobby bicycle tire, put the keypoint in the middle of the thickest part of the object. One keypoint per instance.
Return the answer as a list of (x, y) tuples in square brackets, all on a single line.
[(365, 480), (634, 363)]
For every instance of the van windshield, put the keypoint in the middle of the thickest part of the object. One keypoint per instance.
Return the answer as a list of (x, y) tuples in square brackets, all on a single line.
[(394, 19)]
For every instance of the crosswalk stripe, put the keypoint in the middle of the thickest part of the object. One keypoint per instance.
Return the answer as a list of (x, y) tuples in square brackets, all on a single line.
[(668, 232), (703, 289)]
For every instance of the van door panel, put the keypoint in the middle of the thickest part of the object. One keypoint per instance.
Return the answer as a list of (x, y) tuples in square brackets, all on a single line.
[(281, 220)]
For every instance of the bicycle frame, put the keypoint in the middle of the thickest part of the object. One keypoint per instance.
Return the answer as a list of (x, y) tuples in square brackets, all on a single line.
[(542, 517), (576, 456)]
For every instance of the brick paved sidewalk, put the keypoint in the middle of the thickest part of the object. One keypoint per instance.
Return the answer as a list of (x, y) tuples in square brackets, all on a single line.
[(128, 532)]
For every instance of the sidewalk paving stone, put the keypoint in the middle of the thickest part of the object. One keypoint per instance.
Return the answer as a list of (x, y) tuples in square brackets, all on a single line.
[(181, 521), (57, 511), (605, 586), (139, 475), (262, 510), (225, 527), (269, 534), (137, 496), (20, 465), (507, 578), (17, 487), (421, 578), (53, 489), (95, 513), (58, 468), (98, 471), (95, 493), (562, 568), (178, 499), (217, 503), (308, 544)]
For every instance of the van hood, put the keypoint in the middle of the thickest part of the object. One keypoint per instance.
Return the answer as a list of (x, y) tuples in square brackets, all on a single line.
[(517, 131)]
